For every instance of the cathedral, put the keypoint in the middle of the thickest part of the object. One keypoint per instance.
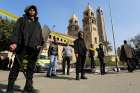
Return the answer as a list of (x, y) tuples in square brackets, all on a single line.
[(92, 24)]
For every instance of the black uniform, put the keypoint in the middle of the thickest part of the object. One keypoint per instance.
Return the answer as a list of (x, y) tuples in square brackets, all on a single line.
[(27, 36), (101, 59), (80, 49)]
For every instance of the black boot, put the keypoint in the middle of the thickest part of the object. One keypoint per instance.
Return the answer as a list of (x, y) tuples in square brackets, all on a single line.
[(10, 86), (77, 77), (31, 91), (28, 86), (83, 77), (68, 71)]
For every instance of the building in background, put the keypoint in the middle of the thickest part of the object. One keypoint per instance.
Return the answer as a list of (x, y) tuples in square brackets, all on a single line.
[(90, 28), (73, 27), (101, 28)]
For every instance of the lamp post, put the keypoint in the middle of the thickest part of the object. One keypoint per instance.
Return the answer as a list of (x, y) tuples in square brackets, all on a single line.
[(113, 34)]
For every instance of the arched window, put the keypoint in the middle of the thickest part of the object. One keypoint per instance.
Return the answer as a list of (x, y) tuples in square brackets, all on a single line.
[(96, 40), (53, 37), (92, 14)]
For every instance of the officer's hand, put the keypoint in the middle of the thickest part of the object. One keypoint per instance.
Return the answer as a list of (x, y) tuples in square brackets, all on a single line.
[(13, 47)]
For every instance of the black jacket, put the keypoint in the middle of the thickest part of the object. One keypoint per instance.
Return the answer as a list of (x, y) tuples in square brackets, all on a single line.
[(80, 47), (101, 54), (27, 33)]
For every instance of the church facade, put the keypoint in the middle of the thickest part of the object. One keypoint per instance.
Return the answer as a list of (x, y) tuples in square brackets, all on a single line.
[(93, 27)]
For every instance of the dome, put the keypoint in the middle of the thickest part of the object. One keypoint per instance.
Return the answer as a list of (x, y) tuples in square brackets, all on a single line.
[(74, 17), (88, 7)]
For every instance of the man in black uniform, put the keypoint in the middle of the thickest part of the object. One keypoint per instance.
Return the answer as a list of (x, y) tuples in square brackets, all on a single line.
[(101, 59), (80, 52), (26, 41)]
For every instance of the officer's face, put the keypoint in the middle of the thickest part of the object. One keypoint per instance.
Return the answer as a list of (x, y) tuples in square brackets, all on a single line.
[(31, 12), (101, 46), (81, 35)]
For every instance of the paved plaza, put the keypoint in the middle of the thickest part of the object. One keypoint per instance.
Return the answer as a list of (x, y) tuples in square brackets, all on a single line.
[(113, 82)]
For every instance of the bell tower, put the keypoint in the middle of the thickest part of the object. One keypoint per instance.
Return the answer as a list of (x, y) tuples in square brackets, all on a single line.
[(101, 28), (101, 25), (89, 27), (73, 27)]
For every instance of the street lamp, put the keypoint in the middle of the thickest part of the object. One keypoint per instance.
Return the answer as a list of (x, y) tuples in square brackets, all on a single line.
[(112, 26), (113, 34)]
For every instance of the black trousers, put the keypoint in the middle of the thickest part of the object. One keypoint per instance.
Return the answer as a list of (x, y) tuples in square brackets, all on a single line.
[(66, 59), (80, 65), (31, 56), (130, 64), (92, 62), (102, 65)]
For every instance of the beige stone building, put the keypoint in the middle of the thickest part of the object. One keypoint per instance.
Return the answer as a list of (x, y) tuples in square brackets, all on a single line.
[(90, 28), (73, 27), (101, 25), (101, 29), (93, 26)]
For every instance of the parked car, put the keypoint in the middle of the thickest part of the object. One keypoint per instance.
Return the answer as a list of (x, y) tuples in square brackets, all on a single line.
[(42, 63), (4, 60)]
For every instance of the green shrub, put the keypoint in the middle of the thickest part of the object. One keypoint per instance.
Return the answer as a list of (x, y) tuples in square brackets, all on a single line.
[(108, 62)]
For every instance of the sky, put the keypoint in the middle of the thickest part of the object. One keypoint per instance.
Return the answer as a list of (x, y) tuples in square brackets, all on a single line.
[(125, 14)]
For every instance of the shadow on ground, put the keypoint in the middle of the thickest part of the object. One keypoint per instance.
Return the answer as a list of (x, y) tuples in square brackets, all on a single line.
[(58, 76), (62, 77), (4, 86)]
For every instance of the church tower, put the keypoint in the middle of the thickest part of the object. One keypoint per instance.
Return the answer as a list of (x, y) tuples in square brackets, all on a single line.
[(101, 28), (89, 28), (73, 27)]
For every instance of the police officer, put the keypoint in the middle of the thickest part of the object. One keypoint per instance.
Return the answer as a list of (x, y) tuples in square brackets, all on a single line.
[(80, 52), (101, 59), (26, 41)]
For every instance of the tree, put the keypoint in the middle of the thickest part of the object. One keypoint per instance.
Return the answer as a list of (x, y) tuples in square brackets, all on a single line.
[(6, 29), (107, 46), (136, 40)]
